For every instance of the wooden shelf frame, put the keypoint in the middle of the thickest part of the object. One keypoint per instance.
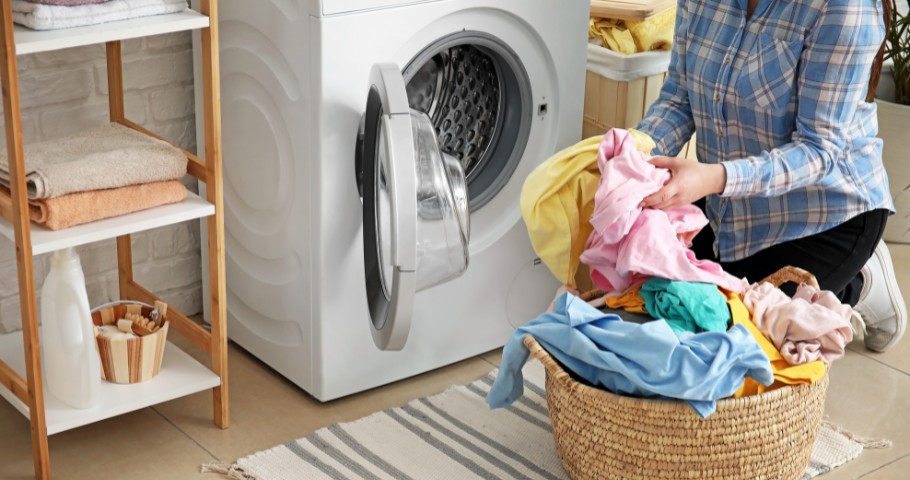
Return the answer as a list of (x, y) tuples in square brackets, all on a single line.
[(14, 208)]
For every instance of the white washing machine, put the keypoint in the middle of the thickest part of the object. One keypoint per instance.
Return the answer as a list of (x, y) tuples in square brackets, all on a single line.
[(339, 275)]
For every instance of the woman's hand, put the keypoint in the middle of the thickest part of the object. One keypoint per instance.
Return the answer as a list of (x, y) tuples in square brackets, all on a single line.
[(689, 182)]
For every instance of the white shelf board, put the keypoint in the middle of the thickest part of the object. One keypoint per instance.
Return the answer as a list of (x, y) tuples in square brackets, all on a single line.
[(180, 375), (44, 240), (33, 41)]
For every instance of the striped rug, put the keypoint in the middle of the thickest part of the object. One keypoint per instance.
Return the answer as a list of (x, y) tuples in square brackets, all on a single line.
[(452, 435)]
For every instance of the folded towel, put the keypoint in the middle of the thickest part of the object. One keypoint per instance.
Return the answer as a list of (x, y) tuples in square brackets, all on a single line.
[(106, 157), (67, 3), (84, 207), (51, 17)]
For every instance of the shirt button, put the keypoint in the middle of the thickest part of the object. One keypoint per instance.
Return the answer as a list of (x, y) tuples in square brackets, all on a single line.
[(720, 134), (727, 61), (716, 97)]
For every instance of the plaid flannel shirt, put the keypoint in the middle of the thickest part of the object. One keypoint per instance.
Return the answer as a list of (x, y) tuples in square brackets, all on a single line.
[(779, 100)]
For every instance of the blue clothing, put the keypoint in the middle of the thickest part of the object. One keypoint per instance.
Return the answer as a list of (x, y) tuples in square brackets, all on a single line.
[(647, 360), (686, 306), (779, 101)]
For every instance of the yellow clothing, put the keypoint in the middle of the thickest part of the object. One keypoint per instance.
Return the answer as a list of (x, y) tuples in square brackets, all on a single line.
[(628, 36), (655, 33), (630, 301), (613, 34), (784, 373), (557, 201)]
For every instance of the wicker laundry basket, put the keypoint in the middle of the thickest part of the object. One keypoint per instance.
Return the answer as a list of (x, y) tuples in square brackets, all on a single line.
[(599, 434)]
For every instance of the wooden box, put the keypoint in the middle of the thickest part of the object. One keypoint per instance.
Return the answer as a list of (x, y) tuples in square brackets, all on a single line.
[(131, 360), (620, 88)]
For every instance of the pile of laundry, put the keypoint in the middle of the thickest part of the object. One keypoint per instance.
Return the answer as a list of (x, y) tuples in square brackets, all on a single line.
[(58, 14), (98, 173), (709, 335)]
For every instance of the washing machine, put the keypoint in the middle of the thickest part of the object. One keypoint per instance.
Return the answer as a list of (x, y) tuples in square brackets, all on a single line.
[(374, 153)]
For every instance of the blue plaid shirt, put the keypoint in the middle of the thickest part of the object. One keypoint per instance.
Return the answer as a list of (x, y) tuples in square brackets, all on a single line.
[(779, 100)]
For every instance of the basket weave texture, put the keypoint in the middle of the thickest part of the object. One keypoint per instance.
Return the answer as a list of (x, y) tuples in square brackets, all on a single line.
[(601, 435)]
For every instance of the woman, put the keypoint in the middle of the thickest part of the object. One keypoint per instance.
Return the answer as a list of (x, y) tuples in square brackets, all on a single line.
[(789, 169)]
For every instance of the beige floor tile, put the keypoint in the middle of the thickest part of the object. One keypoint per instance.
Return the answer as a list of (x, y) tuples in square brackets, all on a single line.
[(494, 357), (267, 410), (141, 445), (870, 400), (899, 470)]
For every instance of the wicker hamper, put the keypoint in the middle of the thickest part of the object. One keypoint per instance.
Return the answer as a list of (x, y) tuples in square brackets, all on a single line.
[(599, 434)]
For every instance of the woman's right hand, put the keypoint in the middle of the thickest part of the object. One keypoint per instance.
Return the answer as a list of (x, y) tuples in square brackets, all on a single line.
[(689, 181)]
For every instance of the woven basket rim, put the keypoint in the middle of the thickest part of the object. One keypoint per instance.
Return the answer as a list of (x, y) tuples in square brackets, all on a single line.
[(559, 374)]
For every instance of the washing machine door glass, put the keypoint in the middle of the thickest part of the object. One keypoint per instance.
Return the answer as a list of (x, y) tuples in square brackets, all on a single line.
[(415, 207)]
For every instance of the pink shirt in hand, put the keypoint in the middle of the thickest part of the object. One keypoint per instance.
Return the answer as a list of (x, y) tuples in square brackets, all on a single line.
[(629, 243)]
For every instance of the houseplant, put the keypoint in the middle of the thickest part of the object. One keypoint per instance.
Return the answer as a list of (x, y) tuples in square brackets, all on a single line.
[(893, 100)]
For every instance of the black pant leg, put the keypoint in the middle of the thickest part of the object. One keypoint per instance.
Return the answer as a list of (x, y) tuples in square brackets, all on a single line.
[(834, 256), (703, 243)]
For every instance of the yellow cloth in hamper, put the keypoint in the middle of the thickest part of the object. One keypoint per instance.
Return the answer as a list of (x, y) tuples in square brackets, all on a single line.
[(655, 33), (612, 34), (557, 201), (630, 301), (784, 373), (628, 36)]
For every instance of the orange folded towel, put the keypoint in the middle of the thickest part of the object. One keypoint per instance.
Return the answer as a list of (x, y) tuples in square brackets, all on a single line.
[(84, 207)]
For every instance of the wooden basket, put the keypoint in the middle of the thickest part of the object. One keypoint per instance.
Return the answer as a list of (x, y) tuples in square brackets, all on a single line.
[(613, 103), (599, 434), (131, 360)]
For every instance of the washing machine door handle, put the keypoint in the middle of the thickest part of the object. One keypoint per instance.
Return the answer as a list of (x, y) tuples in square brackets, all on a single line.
[(389, 207)]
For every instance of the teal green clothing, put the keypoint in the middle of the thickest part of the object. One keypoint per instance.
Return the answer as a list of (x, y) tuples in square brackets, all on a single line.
[(687, 306)]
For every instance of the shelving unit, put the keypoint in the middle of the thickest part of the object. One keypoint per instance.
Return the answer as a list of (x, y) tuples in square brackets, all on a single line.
[(20, 364)]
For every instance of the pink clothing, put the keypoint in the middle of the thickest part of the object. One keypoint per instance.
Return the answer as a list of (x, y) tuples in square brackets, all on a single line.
[(813, 325), (629, 244)]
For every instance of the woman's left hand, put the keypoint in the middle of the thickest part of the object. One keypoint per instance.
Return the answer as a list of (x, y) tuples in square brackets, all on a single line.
[(689, 181)]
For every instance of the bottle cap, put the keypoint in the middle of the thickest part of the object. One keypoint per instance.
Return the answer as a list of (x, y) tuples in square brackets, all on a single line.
[(65, 258)]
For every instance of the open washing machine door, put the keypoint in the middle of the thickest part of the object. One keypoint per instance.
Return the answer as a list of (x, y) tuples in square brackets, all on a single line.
[(415, 207)]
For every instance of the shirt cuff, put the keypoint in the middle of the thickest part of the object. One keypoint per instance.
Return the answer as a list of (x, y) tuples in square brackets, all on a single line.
[(740, 176)]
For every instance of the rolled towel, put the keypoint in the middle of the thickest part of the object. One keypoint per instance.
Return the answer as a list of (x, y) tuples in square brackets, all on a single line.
[(84, 207), (111, 156), (38, 16)]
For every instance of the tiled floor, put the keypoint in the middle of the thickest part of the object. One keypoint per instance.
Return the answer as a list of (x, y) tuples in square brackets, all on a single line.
[(869, 395)]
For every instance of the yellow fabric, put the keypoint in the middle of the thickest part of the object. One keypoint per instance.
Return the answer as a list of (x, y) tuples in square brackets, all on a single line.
[(557, 201), (630, 301), (628, 36), (655, 33), (613, 34), (784, 373)]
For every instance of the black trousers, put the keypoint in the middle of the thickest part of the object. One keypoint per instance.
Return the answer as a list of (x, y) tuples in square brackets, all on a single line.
[(834, 256)]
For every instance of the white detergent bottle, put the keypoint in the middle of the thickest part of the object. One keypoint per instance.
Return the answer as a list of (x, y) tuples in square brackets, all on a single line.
[(72, 368)]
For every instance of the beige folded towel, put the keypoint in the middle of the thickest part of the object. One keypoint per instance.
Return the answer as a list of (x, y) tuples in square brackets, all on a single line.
[(105, 157), (84, 207)]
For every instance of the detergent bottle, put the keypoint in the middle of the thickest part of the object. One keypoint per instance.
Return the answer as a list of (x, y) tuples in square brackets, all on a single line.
[(72, 368)]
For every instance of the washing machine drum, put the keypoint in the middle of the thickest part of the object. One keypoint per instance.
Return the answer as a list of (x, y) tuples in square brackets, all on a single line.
[(415, 207), (459, 89)]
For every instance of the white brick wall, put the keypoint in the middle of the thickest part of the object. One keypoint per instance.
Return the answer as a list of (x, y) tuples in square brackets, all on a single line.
[(66, 91)]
